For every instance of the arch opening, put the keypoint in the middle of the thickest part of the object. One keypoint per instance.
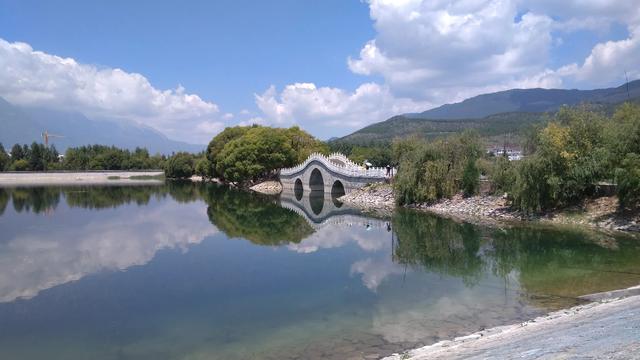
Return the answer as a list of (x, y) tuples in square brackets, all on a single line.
[(337, 190), (316, 182), (298, 190)]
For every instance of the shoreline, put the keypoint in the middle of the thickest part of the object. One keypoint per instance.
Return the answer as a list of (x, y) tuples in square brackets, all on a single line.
[(598, 214), (603, 328), (107, 177)]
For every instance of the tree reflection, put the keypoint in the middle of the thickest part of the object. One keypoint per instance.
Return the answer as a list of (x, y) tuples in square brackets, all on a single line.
[(559, 262), (254, 217), (4, 200), (439, 245)]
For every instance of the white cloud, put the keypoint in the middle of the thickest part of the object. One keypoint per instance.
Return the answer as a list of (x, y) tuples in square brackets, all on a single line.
[(455, 48), (29, 77), (331, 110), (608, 60), (430, 52)]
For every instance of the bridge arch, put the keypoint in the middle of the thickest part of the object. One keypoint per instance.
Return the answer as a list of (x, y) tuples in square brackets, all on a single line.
[(319, 173), (316, 182), (298, 190)]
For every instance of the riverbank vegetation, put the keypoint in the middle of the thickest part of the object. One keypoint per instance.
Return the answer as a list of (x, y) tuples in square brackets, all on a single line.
[(571, 157), (432, 170)]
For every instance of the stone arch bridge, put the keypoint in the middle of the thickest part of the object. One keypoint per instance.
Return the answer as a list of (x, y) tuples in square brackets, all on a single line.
[(334, 174)]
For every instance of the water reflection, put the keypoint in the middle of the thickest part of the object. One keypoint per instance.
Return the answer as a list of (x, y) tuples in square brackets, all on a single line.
[(157, 272), (38, 253), (257, 218)]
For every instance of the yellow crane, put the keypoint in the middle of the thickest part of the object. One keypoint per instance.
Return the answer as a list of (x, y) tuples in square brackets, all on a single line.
[(46, 136)]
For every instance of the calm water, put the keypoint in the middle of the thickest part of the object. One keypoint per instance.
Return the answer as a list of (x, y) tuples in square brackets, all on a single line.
[(186, 271)]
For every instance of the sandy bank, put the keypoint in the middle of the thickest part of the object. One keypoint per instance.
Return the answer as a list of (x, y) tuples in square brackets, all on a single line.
[(610, 329), (80, 178)]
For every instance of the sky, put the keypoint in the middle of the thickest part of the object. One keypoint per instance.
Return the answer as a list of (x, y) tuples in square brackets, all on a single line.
[(191, 68)]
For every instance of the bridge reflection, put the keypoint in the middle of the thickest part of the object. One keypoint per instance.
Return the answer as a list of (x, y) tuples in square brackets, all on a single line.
[(320, 208)]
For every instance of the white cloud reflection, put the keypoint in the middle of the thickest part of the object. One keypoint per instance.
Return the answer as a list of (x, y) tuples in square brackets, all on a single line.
[(115, 240)]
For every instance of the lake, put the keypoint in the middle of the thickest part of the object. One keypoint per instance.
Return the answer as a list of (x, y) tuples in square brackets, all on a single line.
[(195, 271)]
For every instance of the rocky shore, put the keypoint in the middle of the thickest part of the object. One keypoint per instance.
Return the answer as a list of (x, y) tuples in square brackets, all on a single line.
[(374, 197), (268, 187), (600, 213)]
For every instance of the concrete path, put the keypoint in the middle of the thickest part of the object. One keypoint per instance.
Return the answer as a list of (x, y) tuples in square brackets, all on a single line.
[(79, 178), (609, 330)]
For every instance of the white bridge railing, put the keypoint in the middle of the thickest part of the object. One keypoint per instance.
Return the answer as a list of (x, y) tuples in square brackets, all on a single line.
[(341, 165)]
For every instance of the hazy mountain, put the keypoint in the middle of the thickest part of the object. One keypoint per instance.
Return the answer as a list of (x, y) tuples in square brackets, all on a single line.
[(505, 112), (527, 100), (25, 125)]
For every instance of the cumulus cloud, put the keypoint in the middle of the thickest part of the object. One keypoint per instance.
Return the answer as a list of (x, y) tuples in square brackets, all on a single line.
[(431, 52), (30, 77), (330, 110)]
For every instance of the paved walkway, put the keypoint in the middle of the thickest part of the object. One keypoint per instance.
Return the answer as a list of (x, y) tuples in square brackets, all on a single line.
[(609, 330), (29, 178)]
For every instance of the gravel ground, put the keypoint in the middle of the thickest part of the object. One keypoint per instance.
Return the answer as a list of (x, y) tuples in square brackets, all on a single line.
[(607, 330)]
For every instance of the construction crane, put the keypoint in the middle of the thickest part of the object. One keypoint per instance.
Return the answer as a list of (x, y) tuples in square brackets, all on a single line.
[(46, 136)]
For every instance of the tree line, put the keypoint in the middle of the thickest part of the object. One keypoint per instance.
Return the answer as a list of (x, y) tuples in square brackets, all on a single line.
[(567, 159), (39, 157)]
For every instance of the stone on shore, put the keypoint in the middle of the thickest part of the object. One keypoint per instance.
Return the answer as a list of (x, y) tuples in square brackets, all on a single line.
[(373, 197), (268, 187)]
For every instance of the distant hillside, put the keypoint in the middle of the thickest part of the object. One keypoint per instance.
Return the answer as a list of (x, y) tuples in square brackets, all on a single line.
[(402, 126), (25, 125), (492, 115), (527, 100)]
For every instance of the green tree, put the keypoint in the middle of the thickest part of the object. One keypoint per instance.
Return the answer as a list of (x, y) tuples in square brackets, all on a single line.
[(470, 178), (179, 166), (570, 157), (204, 168), (256, 154), (36, 157), (5, 160), (628, 178), (17, 153), (19, 165), (429, 171)]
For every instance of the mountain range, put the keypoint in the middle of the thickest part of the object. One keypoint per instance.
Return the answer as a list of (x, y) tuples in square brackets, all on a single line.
[(492, 114), (24, 125)]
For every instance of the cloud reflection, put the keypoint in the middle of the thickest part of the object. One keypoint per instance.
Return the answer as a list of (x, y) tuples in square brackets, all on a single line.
[(117, 239)]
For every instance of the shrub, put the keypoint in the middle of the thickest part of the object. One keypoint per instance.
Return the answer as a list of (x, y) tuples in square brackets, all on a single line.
[(470, 178), (179, 166), (204, 168), (628, 178), (20, 165)]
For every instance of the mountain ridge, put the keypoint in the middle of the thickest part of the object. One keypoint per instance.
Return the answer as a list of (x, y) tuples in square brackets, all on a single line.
[(492, 114)]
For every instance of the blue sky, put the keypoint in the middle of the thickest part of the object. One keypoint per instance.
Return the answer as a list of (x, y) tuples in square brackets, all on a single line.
[(189, 68), (224, 51)]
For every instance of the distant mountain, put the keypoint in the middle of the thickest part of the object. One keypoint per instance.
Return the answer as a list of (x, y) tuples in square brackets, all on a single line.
[(402, 126), (491, 114), (527, 100), (25, 125)]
